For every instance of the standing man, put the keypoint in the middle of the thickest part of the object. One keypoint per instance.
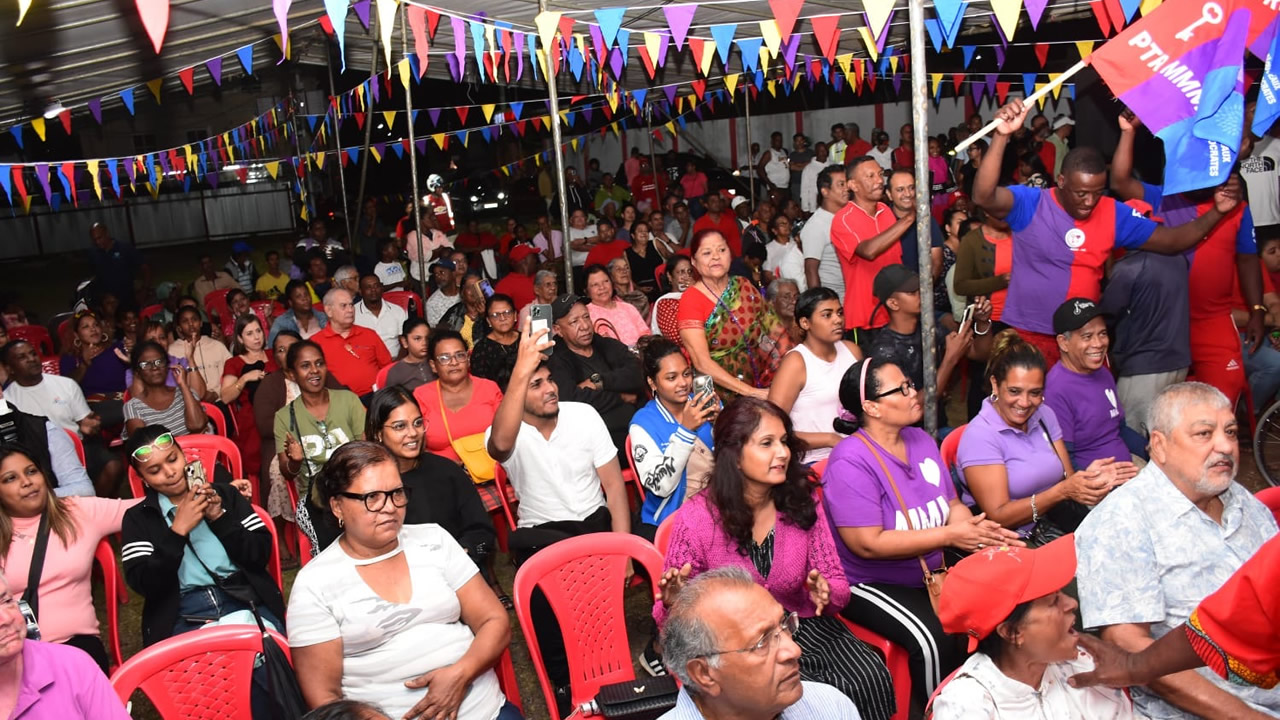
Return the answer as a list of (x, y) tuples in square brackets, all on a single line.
[(116, 265), (354, 354), (446, 294), (837, 147), (902, 199), (647, 188), (241, 267), (809, 177), (1261, 172), (385, 319), (610, 192), (773, 166), (904, 156), (800, 157), (857, 146), (1058, 134), (821, 265), (548, 241), (270, 285), (518, 284)]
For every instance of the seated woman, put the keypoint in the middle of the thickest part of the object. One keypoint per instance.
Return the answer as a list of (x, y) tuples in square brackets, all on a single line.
[(72, 526), (176, 408), (93, 362), (679, 275), (1010, 604), (760, 514), (308, 429), (667, 432), (241, 377), (390, 610), (157, 333), (412, 370), (238, 307), (1012, 456), (807, 385), (494, 355), (440, 491), (893, 512), (646, 253), (625, 287), (611, 316), (729, 330), (204, 355), (197, 551)]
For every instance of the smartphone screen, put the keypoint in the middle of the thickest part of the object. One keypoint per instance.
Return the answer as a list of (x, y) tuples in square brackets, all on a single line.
[(540, 318), (486, 288)]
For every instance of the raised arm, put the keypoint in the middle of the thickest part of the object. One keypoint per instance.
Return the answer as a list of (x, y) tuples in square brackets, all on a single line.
[(506, 422), (1123, 183), (880, 244), (987, 192), (1173, 240)]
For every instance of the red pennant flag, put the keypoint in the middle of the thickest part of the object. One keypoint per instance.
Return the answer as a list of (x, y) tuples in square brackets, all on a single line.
[(242, 173), (857, 72), (418, 24), (188, 78), (65, 117), (785, 13), (576, 98), (538, 122), (360, 120), (957, 81), (155, 19), (462, 113), (826, 30), (1042, 53), (1002, 91), (1100, 12), (648, 63), (520, 128), (344, 158), (433, 19), (1115, 12), (566, 30), (326, 25), (69, 170), (608, 113), (699, 88), (695, 47)]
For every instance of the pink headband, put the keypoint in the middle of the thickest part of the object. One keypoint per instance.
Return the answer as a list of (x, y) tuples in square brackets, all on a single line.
[(862, 381)]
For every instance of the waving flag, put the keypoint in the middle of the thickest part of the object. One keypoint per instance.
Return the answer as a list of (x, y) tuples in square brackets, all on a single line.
[(1180, 69)]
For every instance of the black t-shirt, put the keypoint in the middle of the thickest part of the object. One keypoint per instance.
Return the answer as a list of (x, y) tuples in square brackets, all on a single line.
[(441, 492), (906, 351)]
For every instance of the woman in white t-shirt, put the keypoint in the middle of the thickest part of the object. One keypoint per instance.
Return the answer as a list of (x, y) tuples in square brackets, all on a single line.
[(392, 614)]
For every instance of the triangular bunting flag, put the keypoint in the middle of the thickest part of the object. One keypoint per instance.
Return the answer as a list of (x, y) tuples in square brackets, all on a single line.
[(362, 13), (1035, 9), (1100, 14), (246, 58), (772, 38), (336, 13), (488, 111), (390, 117), (785, 13), (1085, 47), (95, 109), (155, 20), (731, 83), (214, 66), (418, 25), (1028, 84), (37, 124), (127, 96), (936, 38), (386, 23), (968, 51), (188, 77), (877, 12), (1042, 53), (723, 35), (546, 22), (679, 17), (610, 19), (826, 30), (154, 87), (1006, 13), (870, 42), (65, 118)]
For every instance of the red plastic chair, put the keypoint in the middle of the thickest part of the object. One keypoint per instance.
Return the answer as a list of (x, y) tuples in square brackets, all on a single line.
[(267, 309), (216, 302), (273, 565), (216, 417), (582, 579), (380, 381), (105, 557), (662, 538), (1271, 498), (209, 450), (896, 659), (505, 523), (300, 542), (75, 440), (50, 366), (36, 335), (507, 682), (950, 445), (146, 312), (406, 299), (658, 272), (928, 708), (197, 675)]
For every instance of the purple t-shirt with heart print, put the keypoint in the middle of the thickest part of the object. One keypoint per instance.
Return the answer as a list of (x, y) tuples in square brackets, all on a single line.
[(856, 494)]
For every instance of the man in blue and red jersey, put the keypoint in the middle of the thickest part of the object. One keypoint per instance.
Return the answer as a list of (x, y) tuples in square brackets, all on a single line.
[(1216, 352), (1062, 236)]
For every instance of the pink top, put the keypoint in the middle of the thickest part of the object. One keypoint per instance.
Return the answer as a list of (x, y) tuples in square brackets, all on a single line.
[(475, 418), (66, 595), (622, 323), (59, 681), (695, 184), (697, 538)]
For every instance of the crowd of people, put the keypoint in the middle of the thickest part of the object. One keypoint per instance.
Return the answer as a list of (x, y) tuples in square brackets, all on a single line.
[(759, 368)]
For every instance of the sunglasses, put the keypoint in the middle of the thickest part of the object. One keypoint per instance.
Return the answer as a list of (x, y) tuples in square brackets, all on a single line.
[(160, 444)]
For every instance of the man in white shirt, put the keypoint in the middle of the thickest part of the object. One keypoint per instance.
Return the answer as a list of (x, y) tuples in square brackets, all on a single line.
[(446, 294), (809, 177), (773, 165), (386, 319), (821, 262), (1261, 173), (881, 151)]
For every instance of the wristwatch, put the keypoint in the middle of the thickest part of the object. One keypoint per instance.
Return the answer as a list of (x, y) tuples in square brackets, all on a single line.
[(596, 379)]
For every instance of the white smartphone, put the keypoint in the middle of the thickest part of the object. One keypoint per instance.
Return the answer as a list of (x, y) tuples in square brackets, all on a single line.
[(195, 474), (967, 316), (540, 318)]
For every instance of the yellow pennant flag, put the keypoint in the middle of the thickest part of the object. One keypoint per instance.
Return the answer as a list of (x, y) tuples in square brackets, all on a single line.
[(795, 80), (542, 60), (23, 7), (487, 109), (37, 124), (320, 156), (869, 42), (154, 87), (440, 140), (304, 214), (893, 63), (612, 98), (934, 79), (731, 83), (1085, 47), (547, 21), (582, 45), (671, 128), (564, 117), (403, 67), (1057, 89), (652, 42), (1006, 13), (708, 52), (845, 62), (26, 205), (92, 167), (1146, 7), (772, 39), (878, 14), (1043, 98), (574, 144), (273, 168), (386, 23), (764, 60), (772, 86), (390, 117), (377, 156)]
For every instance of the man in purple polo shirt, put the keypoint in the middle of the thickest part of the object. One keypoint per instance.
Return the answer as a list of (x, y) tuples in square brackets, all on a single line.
[(1082, 392), (1063, 236)]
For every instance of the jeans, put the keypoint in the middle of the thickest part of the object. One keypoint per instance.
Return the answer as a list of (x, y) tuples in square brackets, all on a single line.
[(509, 712), (198, 607), (1263, 370)]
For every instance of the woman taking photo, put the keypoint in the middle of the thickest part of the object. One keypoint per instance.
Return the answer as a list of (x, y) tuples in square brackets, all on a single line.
[(204, 355), (1012, 456), (760, 514), (307, 431), (625, 287), (440, 492), (807, 385), (1010, 603), (198, 552), (612, 317), (725, 324), (886, 544), (394, 614), (72, 528), (679, 275), (241, 377), (94, 364), (667, 433), (494, 355), (176, 408), (644, 257)]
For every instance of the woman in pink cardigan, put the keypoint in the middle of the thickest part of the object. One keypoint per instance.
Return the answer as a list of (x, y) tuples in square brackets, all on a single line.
[(760, 513)]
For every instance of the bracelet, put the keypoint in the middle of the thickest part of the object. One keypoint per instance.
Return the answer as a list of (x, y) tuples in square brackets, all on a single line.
[(984, 332), (1260, 308), (1035, 514)]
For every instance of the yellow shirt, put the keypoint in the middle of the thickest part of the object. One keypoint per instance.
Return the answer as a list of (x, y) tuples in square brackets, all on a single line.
[(270, 287)]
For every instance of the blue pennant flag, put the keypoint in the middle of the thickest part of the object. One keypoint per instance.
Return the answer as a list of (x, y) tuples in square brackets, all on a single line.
[(723, 35), (610, 20), (246, 58), (127, 96)]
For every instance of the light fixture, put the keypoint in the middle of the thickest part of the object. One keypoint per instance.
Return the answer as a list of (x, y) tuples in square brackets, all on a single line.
[(53, 110)]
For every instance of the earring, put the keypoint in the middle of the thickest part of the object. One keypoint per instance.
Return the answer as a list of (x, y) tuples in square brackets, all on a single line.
[(341, 522), (993, 396)]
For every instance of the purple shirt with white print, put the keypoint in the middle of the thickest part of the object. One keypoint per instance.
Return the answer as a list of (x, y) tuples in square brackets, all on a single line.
[(1088, 412), (856, 494)]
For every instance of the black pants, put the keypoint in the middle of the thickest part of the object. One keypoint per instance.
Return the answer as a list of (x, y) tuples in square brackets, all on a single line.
[(905, 616), (93, 647)]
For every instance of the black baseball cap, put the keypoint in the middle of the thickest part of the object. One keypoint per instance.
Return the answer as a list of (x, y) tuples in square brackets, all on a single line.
[(894, 279), (563, 304), (1074, 314)]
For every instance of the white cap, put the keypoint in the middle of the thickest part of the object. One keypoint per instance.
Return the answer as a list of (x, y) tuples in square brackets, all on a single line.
[(1062, 121), (739, 200)]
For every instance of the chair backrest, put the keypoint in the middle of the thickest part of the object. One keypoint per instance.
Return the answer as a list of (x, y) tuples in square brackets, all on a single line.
[(406, 299), (380, 381), (209, 450), (36, 335), (658, 272), (950, 445), (506, 672), (500, 480), (583, 579), (216, 302), (217, 418), (146, 312), (197, 675), (50, 366), (267, 309), (1271, 498), (304, 542), (105, 556), (75, 440), (662, 538), (273, 564)]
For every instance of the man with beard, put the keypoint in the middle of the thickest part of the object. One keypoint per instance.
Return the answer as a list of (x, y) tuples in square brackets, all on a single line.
[(558, 457), (1162, 542)]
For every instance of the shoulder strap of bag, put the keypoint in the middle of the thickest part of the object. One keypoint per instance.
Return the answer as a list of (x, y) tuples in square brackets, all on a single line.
[(32, 594), (901, 503), (307, 469), (444, 414)]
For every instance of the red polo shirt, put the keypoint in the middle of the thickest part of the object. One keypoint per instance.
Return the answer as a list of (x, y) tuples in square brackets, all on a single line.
[(851, 227), (604, 253), (728, 227), (518, 287), (354, 360)]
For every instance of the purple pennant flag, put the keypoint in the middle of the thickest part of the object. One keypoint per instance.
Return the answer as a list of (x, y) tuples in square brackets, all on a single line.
[(697, 111), (789, 52), (586, 113), (454, 71), (1004, 41), (382, 148), (164, 162), (42, 174), (670, 92), (1035, 8), (214, 66), (991, 84), (519, 52), (897, 83), (421, 144), (131, 170), (679, 18), (999, 57), (977, 88), (597, 43), (374, 91), (212, 179), (459, 44), (95, 109), (663, 45), (433, 114), (616, 63), (362, 12)]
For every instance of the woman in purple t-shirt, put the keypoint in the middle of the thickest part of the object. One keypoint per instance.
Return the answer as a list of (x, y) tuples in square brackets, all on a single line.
[(880, 545)]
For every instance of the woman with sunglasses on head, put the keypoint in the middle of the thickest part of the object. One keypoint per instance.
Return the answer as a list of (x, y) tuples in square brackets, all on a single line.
[(196, 550), (176, 408), (391, 613), (893, 511), (308, 429), (494, 355), (241, 377), (440, 492), (72, 526), (412, 370)]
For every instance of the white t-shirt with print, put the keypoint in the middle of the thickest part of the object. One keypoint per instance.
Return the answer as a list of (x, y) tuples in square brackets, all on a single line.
[(389, 273)]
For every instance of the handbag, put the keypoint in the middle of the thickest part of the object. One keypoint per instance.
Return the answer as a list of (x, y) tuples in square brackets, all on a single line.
[(639, 699), (471, 450), (933, 579)]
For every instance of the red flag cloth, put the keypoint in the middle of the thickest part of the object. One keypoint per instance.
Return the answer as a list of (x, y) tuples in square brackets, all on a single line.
[(1236, 630)]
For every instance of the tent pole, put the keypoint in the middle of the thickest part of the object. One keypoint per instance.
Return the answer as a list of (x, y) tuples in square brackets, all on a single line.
[(368, 133), (553, 95), (751, 161), (337, 147), (413, 152), (920, 118), (653, 160)]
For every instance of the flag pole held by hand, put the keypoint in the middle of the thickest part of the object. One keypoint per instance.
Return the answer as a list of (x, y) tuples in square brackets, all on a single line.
[(1048, 88)]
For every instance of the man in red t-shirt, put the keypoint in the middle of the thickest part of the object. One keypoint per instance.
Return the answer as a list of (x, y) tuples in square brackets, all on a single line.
[(717, 219), (354, 354), (518, 284), (607, 246), (904, 156), (857, 146), (647, 189), (866, 236)]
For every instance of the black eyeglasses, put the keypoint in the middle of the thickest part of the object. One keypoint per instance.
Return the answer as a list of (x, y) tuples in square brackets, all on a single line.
[(158, 364), (907, 387), (376, 500)]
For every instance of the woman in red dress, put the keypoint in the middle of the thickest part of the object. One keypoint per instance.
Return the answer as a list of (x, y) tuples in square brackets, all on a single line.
[(240, 377)]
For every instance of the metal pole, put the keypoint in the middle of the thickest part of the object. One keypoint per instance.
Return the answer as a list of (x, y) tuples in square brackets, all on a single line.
[(413, 151), (337, 147), (751, 160), (553, 95), (305, 185), (653, 160), (919, 113), (368, 130)]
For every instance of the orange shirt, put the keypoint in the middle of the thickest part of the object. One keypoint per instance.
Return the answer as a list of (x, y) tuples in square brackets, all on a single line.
[(353, 360), (1004, 264), (851, 227)]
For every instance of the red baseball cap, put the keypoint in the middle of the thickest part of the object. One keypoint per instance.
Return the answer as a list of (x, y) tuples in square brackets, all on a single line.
[(982, 590), (520, 252)]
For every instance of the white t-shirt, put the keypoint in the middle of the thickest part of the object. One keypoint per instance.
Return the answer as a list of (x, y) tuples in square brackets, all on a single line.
[(387, 323), (556, 479), (389, 273), (809, 183), (885, 158), (55, 397), (385, 644), (430, 244), (786, 261), (438, 304), (815, 238), (777, 169), (1261, 172), (576, 257)]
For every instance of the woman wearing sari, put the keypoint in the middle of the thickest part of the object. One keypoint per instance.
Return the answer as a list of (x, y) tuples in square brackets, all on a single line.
[(729, 330)]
